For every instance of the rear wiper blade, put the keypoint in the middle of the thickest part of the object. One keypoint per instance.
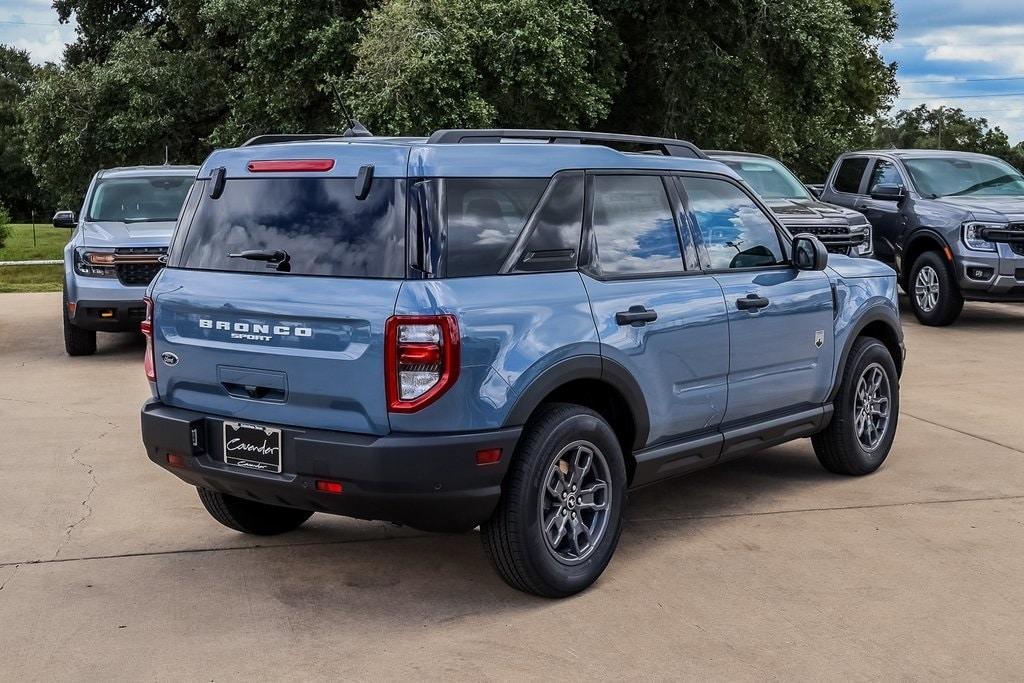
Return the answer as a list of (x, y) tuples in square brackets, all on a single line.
[(273, 257)]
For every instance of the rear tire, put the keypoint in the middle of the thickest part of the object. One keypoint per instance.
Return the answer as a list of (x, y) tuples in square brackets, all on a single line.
[(251, 517), (856, 442), (934, 294), (560, 514), (77, 341)]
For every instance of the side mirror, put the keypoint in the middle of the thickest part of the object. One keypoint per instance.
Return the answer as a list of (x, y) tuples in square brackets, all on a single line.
[(815, 190), (64, 219), (888, 193), (809, 253)]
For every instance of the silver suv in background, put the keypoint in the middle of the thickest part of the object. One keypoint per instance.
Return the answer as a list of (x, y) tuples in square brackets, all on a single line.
[(841, 230), (119, 245)]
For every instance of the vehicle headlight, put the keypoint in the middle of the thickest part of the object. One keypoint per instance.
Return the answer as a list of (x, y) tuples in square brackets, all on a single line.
[(971, 239), (94, 263), (865, 248)]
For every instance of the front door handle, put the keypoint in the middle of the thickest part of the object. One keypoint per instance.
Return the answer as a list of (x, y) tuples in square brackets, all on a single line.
[(637, 316), (751, 302)]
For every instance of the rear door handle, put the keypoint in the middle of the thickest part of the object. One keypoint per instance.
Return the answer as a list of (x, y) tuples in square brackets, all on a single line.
[(751, 302), (637, 316)]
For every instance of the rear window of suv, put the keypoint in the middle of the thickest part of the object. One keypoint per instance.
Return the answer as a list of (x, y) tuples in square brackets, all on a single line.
[(318, 222)]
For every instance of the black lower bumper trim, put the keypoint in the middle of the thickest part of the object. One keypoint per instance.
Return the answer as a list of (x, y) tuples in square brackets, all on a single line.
[(423, 480), (109, 316)]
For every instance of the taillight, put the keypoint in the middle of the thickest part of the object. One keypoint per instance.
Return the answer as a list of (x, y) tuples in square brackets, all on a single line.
[(421, 359), (146, 327)]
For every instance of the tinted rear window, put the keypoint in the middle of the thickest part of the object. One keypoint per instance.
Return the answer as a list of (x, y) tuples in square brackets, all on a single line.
[(319, 222), (850, 173), (484, 217)]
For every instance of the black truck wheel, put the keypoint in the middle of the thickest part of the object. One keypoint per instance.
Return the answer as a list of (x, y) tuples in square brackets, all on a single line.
[(934, 294)]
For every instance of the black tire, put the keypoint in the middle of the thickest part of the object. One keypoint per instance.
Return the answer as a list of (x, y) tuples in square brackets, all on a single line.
[(514, 538), (77, 342), (251, 517), (950, 302), (840, 448)]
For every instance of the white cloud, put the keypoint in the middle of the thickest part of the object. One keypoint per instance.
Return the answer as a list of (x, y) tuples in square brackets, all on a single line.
[(32, 25)]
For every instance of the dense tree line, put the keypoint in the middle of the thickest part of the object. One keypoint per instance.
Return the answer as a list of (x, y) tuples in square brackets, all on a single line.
[(799, 79)]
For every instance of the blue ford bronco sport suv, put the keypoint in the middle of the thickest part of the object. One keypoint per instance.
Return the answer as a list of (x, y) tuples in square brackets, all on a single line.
[(951, 223), (498, 328), (119, 245)]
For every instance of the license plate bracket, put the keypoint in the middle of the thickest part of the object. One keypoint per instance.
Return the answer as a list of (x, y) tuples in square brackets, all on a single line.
[(252, 446)]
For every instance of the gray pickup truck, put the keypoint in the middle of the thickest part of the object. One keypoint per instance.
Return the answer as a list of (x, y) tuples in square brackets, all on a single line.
[(951, 223)]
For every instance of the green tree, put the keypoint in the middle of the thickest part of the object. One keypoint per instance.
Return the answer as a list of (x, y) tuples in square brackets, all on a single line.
[(5, 231), (141, 102), (427, 64), (18, 185), (924, 127), (797, 79)]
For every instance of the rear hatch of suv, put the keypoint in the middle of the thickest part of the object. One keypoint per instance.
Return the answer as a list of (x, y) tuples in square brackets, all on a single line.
[(279, 283)]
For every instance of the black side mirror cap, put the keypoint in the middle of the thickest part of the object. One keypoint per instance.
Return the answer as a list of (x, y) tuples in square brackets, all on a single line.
[(64, 219), (809, 253), (815, 190), (888, 193)]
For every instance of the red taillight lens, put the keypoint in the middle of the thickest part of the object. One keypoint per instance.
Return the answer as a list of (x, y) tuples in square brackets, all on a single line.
[(285, 165), (421, 359), (146, 327)]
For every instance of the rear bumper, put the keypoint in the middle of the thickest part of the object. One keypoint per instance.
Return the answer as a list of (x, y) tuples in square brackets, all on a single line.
[(426, 481)]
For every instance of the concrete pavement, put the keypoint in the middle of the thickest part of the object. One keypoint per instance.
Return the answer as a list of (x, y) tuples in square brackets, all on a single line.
[(765, 568)]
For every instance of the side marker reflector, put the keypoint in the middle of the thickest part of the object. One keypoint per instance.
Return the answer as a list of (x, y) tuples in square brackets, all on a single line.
[(949, 254), (175, 460), (329, 486), (488, 456)]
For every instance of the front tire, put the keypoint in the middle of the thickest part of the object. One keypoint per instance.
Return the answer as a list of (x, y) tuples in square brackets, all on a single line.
[(559, 518), (934, 294), (866, 412), (77, 341), (251, 517)]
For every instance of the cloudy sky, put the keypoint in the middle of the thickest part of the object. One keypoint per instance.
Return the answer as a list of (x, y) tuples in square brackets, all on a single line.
[(963, 53)]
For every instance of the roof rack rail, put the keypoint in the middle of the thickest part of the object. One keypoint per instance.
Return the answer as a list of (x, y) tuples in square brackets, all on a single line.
[(287, 137), (667, 146)]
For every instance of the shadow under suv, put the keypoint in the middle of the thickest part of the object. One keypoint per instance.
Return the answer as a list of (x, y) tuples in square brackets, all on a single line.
[(951, 223), (498, 328)]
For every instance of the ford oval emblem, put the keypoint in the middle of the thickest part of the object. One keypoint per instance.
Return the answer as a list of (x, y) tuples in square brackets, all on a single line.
[(169, 358)]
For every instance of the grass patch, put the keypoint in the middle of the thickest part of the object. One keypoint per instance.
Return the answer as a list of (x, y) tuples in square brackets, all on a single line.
[(31, 278), (50, 243)]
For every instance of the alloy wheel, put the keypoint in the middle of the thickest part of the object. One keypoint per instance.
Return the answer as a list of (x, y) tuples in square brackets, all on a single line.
[(926, 289), (871, 406), (575, 502)]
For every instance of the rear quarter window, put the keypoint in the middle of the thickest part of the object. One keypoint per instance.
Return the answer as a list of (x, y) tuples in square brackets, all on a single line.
[(484, 217), (319, 222), (849, 175)]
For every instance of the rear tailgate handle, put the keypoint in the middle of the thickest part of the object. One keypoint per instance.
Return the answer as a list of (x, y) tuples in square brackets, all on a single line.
[(253, 383), (253, 391)]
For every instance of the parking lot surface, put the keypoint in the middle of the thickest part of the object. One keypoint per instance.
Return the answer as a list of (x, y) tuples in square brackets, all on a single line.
[(762, 568)]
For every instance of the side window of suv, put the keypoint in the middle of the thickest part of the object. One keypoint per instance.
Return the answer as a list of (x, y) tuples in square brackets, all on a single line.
[(735, 231), (885, 173), (849, 175), (633, 227), (484, 216)]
